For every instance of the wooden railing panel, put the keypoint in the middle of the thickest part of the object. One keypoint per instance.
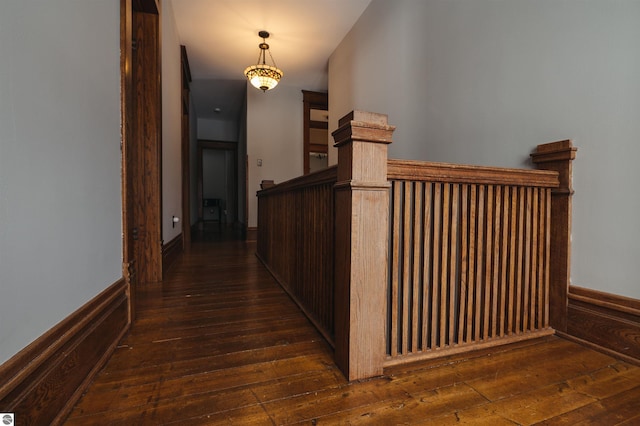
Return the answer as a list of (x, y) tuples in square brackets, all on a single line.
[(296, 240), (469, 262), (471, 254)]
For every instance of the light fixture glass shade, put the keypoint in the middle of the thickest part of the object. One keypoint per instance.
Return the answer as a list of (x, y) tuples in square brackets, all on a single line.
[(263, 77)]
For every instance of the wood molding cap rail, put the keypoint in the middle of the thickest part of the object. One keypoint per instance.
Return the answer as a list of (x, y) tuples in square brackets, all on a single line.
[(460, 173)]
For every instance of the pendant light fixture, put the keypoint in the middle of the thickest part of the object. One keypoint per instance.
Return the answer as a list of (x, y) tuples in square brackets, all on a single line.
[(261, 75)]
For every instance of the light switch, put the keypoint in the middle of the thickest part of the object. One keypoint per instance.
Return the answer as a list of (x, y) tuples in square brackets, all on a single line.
[(259, 162)]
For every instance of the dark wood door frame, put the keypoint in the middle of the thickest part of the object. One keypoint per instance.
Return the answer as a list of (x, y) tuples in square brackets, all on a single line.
[(222, 146), (126, 111), (141, 144), (312, 100), (186, 150)]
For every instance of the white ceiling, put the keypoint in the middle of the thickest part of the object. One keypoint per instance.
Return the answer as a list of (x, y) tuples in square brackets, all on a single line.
[(221, 38)]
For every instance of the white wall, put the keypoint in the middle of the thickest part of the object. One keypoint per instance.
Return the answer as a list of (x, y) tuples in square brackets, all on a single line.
[(274, 135), (485, 81), (171, 125), (193, 163), (242, 166), (60, 198), (217, 130)]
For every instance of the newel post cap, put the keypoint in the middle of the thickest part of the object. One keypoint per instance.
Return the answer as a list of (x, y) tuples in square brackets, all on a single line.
[(363, 126)]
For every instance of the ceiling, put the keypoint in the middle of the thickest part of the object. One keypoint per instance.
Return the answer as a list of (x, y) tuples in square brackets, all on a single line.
[(221, 38)]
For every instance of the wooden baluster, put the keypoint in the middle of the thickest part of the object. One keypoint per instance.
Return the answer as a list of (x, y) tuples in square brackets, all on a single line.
[(435, 277), (418, 212), (519, 262), (513, 231), (503, 310), (406, 263), (395, 275), (527, 262), (558, 156), (464, 261), (361, 236), (444, 271), (453, 266), (472, 287), (426, 268), (488, 244), (496, 263)]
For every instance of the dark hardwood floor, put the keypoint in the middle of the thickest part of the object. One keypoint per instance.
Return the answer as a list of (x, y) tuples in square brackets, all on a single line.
[(218, 342)]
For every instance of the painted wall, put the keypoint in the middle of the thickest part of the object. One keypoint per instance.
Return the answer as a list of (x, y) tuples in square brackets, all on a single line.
[(60, 198), (171, 125), (242, 166), (193, 163), (217, 130), (274, 135), (485, 81)]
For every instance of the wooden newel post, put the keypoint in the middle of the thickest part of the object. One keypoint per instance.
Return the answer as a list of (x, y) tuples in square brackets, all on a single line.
[(558, 156), (361, 243)]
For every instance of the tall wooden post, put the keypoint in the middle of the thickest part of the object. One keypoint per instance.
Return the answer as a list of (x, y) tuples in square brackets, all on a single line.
[(558, 156), (361, 243)]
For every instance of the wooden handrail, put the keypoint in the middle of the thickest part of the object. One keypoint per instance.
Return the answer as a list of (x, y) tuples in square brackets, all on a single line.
[(425, 171), (320, 177)]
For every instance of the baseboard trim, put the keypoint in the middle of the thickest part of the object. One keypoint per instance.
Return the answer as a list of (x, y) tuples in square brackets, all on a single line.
[(42, 382), (604, 321), (252, 233), (170, 252)]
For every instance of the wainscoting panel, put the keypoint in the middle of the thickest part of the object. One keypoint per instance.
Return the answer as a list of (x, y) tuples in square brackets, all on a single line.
[(606, 322), (42, 382)]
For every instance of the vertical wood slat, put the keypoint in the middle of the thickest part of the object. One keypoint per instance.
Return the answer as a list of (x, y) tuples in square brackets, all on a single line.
[(496, 259), (487, 264), (426, 269), (527, 261), (547, 280), (417, 238), (453, 255), (472, 266), (519, 262), (513, 232), (395, 278), (473, 213), (435, 287), (479, 264), (406, 259), (463, 274), (534, 262), (504, 261), (443, 288)]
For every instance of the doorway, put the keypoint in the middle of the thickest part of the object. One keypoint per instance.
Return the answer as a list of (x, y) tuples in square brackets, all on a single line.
[(217, 185)]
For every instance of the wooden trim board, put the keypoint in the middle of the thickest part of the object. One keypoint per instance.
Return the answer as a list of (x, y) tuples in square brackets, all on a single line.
[(252, 233), (42, 383), (171, 251), (606, 322)]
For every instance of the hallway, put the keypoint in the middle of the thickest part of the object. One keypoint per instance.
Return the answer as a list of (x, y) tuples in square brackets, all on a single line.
[(219, 342)]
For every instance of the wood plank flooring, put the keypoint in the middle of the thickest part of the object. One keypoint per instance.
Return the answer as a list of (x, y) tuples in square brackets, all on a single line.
[(219, 343)]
